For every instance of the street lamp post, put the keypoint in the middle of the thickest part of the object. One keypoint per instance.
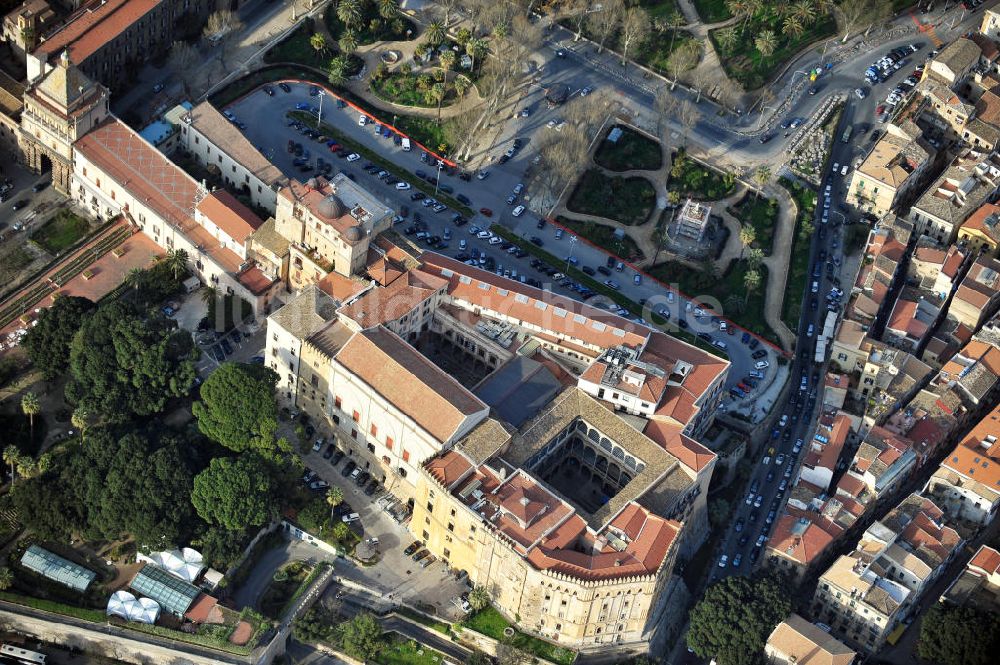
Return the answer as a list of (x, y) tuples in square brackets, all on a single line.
[(319, 118), (438, 181), (572, 244)]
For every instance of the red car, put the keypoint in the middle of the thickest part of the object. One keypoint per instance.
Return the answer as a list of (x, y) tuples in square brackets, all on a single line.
[(335, 147), (880, 109), (486, 212)]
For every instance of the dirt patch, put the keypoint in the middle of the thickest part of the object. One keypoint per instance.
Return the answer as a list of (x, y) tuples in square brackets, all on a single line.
[(241, 634)]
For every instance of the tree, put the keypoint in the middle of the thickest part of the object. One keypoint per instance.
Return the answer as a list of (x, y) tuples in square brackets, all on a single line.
[(45, 509), (11, 455), (727, 37), (479, 598), (81, 420), (806, 230), (312, 627), (476, 49), (350, 13), (718, 512), (804, 11), (751, 282), (766, 42), (134, 278), (793, 26), (688, 115), (48, 341), (462, 85), (735, 616), (237, 408), (436, 33), (683, 58), (234, 493), (337, 70), (478, 658), (31, 406), (958, 635), (634, 30), (673, 21), (182, 60), (856, 13), (755, 257), (318, 42), (221, 547), (761, 176), (435, 95), (176, 260), (388, 9), (361, 636), (604, 23), (748, 234), (222, 27), (510, 654), (348, 42), (125, 364), (334, 497), (6, 578)]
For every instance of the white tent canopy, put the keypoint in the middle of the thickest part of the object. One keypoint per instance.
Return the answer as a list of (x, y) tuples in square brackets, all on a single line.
[(185, 563), (130, 608)]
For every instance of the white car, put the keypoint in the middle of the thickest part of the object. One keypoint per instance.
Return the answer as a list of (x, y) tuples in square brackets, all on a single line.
[(518, 188), (362, 120), (844, 169), (836, 167), (496, 241), (761, 364), (518, 211), (860, 93), (485, 235), (402, 185), (353, 157), (318, 445), (350, 517), (724, 561)]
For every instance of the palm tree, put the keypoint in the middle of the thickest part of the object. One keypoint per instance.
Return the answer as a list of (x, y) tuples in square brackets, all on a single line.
[(388, 9), (176, 260), (755, 257), (31, 406), (11, 454), (350, 13), (793, 25), (752, 8), (476, 49), (6, 578), (208, 294), (766, 42), (337, 70), (318, 42), (804, 10), (134, 278), (751, 282), (435, 32), (349, 42), (479, 598), (81, 420), (747, 237), (761, 176), (737, 8), (447, 61), (673, 21), (462, 85), (436, 95), (727, 37), (334, 497)]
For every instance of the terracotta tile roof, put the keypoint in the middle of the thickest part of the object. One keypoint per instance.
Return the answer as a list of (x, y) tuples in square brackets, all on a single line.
[(225, 136), (448, 468), (691, 453), (987, 46), (94, 25), (988, 107), (341, 287), (235, 219), (977, 455), (381, 305), (409, 381), (796, 640), (986, 559), (384, 270), (150, 177), (554, 313), (802, 535), (904, 319)]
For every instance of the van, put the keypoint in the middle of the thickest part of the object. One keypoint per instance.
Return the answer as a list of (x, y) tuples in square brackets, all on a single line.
[(406, 145), (720, 344)]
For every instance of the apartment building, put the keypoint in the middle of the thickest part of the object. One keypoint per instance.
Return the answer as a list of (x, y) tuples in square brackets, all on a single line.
[(981, 232), (954, 63), (991, 22), (967, 484), (979, 584), (978, 295), (216, 143), (110, 39), (849, 349), (944, 110), (799, 540), (967, 183), (890, 172), (24, 26), (822, 451), (796, 641), (910, 320)]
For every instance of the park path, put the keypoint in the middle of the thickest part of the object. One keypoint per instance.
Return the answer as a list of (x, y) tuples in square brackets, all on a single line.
[(777, 264)]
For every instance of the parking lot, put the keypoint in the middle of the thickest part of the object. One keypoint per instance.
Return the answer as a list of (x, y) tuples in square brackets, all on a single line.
[(397, 575), (266, 125)]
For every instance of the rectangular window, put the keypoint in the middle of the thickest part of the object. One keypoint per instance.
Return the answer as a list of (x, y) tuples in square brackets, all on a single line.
[(354, 434), (336, 401), (388, 442), (374, 430), (356, 416), (406, 455)]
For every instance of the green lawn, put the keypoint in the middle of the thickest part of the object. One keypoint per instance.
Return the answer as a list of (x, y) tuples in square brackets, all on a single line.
[(798, 269), (744, 63), (603, 236), (727, 288), (660, 9), (626, 200), (656, 50), (404, 89), (762, 214), (400, 651), (280, 591), (491, 623), (695, 180), (632, 151), (61, 232), (711, 11)]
